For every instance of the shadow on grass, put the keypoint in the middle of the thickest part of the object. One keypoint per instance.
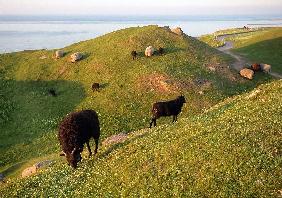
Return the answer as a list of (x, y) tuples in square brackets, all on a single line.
[(29, 111), (265, 52), (12, 169)]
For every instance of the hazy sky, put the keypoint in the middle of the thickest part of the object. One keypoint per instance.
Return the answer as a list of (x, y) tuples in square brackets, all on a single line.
[(140, 7)]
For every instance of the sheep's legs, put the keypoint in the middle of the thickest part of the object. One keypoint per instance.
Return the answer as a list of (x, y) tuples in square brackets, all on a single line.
[(154, 120), (96, 146), (174, 118), (88, 147)]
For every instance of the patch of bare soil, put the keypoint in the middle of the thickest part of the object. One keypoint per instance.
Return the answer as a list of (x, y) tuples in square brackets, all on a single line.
[(158, 82), (163, 83)]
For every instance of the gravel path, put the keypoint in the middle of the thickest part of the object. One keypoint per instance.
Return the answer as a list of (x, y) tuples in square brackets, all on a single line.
[(240, 61)]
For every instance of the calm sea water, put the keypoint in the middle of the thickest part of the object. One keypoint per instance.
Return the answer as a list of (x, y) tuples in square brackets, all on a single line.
[(19, 33)]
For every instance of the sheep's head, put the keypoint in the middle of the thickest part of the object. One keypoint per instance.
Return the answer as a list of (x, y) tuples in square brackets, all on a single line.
[(181, 99), (74, 157)]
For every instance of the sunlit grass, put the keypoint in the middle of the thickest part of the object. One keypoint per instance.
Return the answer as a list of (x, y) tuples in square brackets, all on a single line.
[(232, 150)]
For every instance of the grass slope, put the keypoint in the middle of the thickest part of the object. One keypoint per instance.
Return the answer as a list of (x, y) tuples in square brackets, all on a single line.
[(231, 150), (262, 46), (29, 116), (211, 39)]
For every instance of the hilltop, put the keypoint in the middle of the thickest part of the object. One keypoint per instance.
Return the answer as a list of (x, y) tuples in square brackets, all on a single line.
[(29, 116)]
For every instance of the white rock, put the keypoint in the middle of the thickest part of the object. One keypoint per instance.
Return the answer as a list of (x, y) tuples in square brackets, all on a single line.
[(247, 73), (29, 171), (177, 31), (36, 167)]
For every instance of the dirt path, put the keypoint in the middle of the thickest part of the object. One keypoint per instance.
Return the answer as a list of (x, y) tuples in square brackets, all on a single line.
[(240, 61)]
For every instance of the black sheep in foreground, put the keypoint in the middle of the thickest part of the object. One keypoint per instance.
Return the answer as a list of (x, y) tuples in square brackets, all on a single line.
[(134, 55), (169, 108), (76, 129)]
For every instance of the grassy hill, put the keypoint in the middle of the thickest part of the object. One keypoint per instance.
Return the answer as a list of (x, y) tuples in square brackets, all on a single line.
[(29, 115), (211, 39), (262, 46), (231, 150)]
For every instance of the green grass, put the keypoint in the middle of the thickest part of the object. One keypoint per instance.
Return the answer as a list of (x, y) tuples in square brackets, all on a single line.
[(262, 46), (29, 116), (231, 150), (211, 39)]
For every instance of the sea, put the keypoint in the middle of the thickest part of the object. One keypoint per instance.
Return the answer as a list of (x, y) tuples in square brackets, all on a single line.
[(19, 33)]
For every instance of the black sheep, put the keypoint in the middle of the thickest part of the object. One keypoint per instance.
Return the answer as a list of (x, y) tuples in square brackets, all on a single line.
[(95, 87), (161, 51), (134, 55), (76, 129), (169, 108), (52, 92)]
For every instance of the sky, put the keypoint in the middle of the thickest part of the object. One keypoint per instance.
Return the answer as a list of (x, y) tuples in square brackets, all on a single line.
[(140, 7)]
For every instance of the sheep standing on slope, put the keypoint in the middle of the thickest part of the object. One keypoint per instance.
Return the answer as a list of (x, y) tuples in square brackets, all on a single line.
[(149, 51), (161, 51), (95, 87), (76, 57), (265, 68), (256, 67), (59, 54), (75, 130), (134, 55), (169, 108)]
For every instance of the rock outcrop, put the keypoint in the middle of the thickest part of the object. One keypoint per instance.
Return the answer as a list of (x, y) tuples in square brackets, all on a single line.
[(36, 167), (177, 31), (247, 73)]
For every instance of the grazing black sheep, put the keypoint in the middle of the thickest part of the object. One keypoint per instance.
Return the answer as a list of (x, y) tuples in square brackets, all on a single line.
[(161, 51), (52, 92), (76, 129), (95, 87), (134, 55), (169, 108)]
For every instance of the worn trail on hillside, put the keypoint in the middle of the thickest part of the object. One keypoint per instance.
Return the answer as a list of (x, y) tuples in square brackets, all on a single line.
[(240, 61)]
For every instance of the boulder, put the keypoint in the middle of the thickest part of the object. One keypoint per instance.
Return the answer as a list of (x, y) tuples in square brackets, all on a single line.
[(59, 54), (265, 68), (149, 51), (177, 31), (247, 73), (29, 171), (76, 57), (36, 167)]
